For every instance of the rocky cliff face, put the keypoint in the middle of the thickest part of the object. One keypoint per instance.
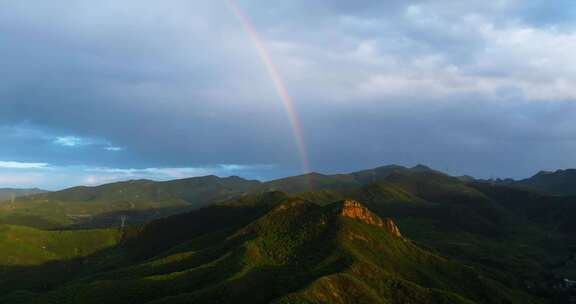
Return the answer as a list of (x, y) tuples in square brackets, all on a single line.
[(390, 225), (355, 210)]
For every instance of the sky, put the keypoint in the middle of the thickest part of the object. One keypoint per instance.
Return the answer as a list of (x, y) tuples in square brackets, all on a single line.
[(99, 91)]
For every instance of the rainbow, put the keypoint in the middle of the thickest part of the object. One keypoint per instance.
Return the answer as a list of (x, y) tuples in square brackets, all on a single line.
[(278, 80)]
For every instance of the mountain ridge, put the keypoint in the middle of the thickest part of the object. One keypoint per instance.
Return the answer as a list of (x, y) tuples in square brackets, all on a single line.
[(7, 194), (390, 224), (296, 251), (144, 200), (559, 182)]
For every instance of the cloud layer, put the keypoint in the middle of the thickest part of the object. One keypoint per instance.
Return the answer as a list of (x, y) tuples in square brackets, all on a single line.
[(482, 88)]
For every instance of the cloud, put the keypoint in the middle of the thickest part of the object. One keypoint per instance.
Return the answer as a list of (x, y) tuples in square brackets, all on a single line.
[(114, 149), (176, 173), (486, 85), (13, 180), (70, 141), (21, 165), (427, 47), (50, 177), (78, 142)]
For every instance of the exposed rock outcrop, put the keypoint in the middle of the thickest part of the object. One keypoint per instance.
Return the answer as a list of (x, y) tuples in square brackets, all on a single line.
[(390, 225), (355, 210)]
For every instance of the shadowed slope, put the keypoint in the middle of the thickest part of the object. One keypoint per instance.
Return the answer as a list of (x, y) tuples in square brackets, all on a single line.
[(560, 182), (295, 252)]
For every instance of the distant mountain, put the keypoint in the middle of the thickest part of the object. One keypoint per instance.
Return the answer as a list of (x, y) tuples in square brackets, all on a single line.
[(424, 193), (8, 193), (269, 248), (449, 201), (145, 200), (560, 182), (317, 181), (141, 200)]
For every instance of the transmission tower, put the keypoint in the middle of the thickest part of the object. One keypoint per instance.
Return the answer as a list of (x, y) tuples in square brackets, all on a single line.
[(123, 219)]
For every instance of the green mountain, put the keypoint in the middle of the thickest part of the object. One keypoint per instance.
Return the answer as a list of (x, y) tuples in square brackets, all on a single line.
[(298, 245), (317, 181), (7, 194), (103, 206), (426, 194), (518, 235), (25, 246), (560, 182), (267, 248), (141, 201)]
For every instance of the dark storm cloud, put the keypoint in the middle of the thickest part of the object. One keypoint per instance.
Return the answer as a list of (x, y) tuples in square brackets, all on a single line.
[(119, 73), (473, 137), (466, 86)]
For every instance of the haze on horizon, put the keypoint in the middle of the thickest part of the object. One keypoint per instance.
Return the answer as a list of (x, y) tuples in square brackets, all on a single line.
[(95, 92)]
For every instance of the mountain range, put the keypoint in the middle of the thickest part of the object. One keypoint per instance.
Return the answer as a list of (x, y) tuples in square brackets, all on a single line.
[(560, 182), (144, 200), (9, 193), (386, 235)]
